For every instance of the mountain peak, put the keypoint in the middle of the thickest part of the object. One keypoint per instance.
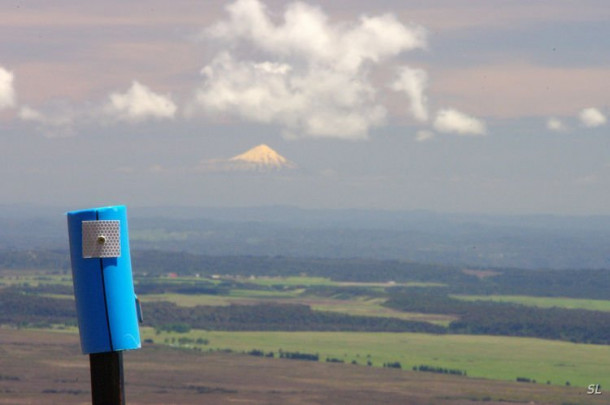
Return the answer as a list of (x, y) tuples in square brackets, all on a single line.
[(262, 157)]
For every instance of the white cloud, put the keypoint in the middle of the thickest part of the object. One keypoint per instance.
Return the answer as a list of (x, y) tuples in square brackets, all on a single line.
[(555, 125), (314, 103), (413, 83), (453, 121), (157, 168), (60, 119), (423, 136), (58, 122), (29, 114), (138, 104), (592, 117), (306, 33), (7, 89), (313, 79)]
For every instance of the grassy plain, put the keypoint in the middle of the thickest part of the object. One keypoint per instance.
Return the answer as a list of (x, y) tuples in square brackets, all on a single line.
[(542, 302), (42, 367), (491, 357)]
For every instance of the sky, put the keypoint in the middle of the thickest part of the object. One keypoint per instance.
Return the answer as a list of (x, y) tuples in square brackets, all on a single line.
[(446, 105)]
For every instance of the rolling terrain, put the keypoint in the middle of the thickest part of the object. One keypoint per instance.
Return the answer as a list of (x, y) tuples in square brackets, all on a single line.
[(330, 311)]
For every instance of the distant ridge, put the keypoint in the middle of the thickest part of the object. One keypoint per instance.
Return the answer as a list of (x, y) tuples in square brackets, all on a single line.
[(262, 158)]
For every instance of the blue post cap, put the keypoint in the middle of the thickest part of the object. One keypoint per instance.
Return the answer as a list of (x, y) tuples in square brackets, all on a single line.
[(103, 281)]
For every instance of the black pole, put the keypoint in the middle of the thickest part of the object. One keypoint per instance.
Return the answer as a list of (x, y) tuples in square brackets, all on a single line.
[(107, 382)]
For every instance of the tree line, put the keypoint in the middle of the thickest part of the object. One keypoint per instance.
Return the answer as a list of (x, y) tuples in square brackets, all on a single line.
[(482, 317), (507, 319), (575, 283), (275, 317), (19, 308)]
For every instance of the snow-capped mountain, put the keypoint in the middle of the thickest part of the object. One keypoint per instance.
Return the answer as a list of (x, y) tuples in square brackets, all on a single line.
[(261, 158)]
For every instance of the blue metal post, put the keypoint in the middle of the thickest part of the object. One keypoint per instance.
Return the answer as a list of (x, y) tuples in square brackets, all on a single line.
[(104, 294)]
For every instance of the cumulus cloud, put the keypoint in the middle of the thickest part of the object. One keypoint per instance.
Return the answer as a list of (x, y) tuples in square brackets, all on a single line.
[(314, 102), (140, 103), (413, 83), (29, 114), (7, 89), (424, 135), (58, 121), (592, 117), (306, 33), (137, 104), (311, 77), (555, 125), (453, 121)]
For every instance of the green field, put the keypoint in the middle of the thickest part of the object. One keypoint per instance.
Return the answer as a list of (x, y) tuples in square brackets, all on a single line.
[(364, 306), (491, 357), (291, 281), (29, 278), (323, 281), (542, 302)]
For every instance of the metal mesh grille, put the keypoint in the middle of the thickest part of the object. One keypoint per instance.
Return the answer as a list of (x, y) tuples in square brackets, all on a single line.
[(101, 239)]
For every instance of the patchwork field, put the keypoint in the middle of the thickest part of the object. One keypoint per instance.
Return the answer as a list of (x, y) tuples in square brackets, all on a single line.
[(363, 306), (221, 364)]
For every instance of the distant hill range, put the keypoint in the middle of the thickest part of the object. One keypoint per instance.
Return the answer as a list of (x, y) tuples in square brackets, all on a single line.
[(535, 241)]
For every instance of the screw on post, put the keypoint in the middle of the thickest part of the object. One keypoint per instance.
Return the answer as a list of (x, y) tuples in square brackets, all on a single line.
[(104, 296)]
